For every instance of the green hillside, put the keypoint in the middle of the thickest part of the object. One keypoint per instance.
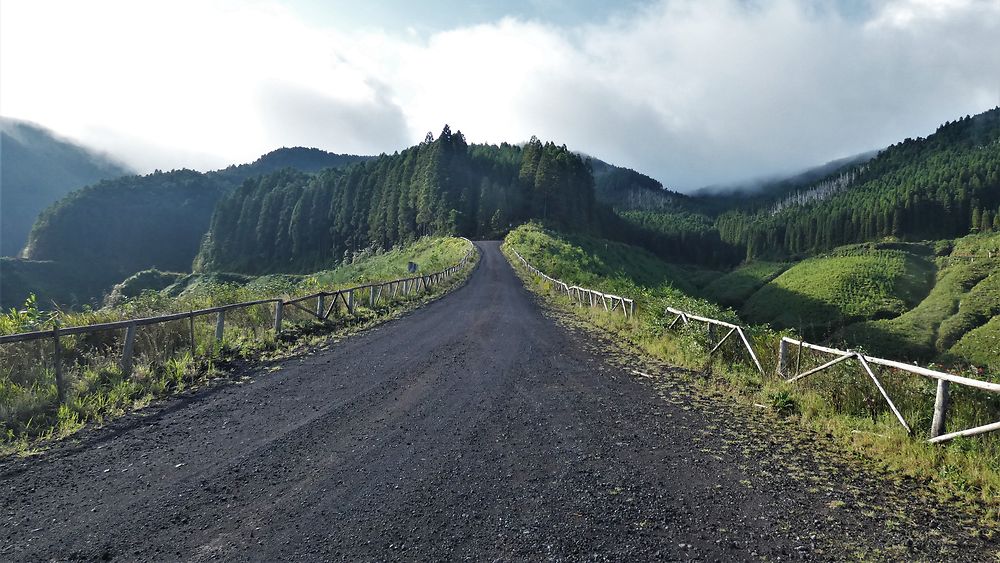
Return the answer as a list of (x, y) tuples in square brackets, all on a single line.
[(298, 158), (734, 288), (107, 231), (617, 268), (854, 283), (128, 224), (36, 169), (956, 320)]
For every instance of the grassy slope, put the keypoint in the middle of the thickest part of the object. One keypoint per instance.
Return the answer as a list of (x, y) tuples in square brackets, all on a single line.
[(953, 322), (854, 283), (734, 288), (613, 268), (163, 364)]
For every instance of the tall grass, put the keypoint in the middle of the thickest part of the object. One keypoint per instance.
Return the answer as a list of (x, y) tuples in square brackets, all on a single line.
[(165, 361), (841, 401)]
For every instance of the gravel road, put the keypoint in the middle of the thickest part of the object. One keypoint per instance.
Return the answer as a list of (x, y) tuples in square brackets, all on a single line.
[(478, 427)]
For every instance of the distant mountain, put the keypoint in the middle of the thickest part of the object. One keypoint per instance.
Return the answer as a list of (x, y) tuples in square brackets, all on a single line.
[(107, 231), (36, 169), (944, 186), (299, 158), (626, 189), (778, 186)]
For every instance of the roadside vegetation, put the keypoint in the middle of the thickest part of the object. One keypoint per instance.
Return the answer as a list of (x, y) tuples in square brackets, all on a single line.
[(840, 401), (165, 362)]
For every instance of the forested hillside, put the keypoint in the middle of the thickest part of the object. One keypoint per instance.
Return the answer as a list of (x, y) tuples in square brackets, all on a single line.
[(107, 231), (944, 186), (128, 224), (36, 169), (299, 158), (288, 221), (624, 188)]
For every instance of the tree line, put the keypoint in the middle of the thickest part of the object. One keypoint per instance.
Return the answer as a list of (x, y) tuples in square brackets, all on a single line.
[(289, 221)]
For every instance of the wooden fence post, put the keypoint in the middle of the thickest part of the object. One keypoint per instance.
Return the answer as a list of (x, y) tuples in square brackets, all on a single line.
[(940, 409), (57, 354), (350, 301), (320, 302), (798, 359), (279, 307), (371, 297), (191, 326), (126, 363), (220, 326), (782, 357)]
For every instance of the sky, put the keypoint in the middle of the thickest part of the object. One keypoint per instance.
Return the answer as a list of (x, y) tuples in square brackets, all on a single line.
[(691, 92)]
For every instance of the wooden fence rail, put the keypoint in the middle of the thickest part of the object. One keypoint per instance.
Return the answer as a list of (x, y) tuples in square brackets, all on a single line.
[(941, 402), (583, 295), (375, 292), (686, 318), (941, 399)]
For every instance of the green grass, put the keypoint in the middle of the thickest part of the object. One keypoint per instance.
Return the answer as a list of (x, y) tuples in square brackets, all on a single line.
[(981, 346), (164, 361), (841, 401), (613, 267), (953, 323), (852, 284), (734, 288)]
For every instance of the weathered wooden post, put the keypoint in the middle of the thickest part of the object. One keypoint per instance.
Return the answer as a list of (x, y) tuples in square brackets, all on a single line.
[(782, 358), (220, 325), (940, 409), (191, 327), (279, 307), (371, 297), (127, 350), (350, 301), (798, 359), (711, 334), (320, 305), (57, 354)]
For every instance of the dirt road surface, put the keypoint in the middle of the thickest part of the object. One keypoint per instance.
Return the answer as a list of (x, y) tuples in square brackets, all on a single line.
[(478, 427)]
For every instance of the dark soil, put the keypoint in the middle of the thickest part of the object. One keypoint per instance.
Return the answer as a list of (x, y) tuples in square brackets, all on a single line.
[(477, 427)]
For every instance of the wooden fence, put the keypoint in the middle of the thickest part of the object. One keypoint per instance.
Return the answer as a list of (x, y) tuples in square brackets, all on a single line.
[(321, 309), (686, 318), (583, 295), (941, 402)]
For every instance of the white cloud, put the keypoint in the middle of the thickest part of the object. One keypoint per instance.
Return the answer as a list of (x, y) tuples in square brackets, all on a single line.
[(692, 92)]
